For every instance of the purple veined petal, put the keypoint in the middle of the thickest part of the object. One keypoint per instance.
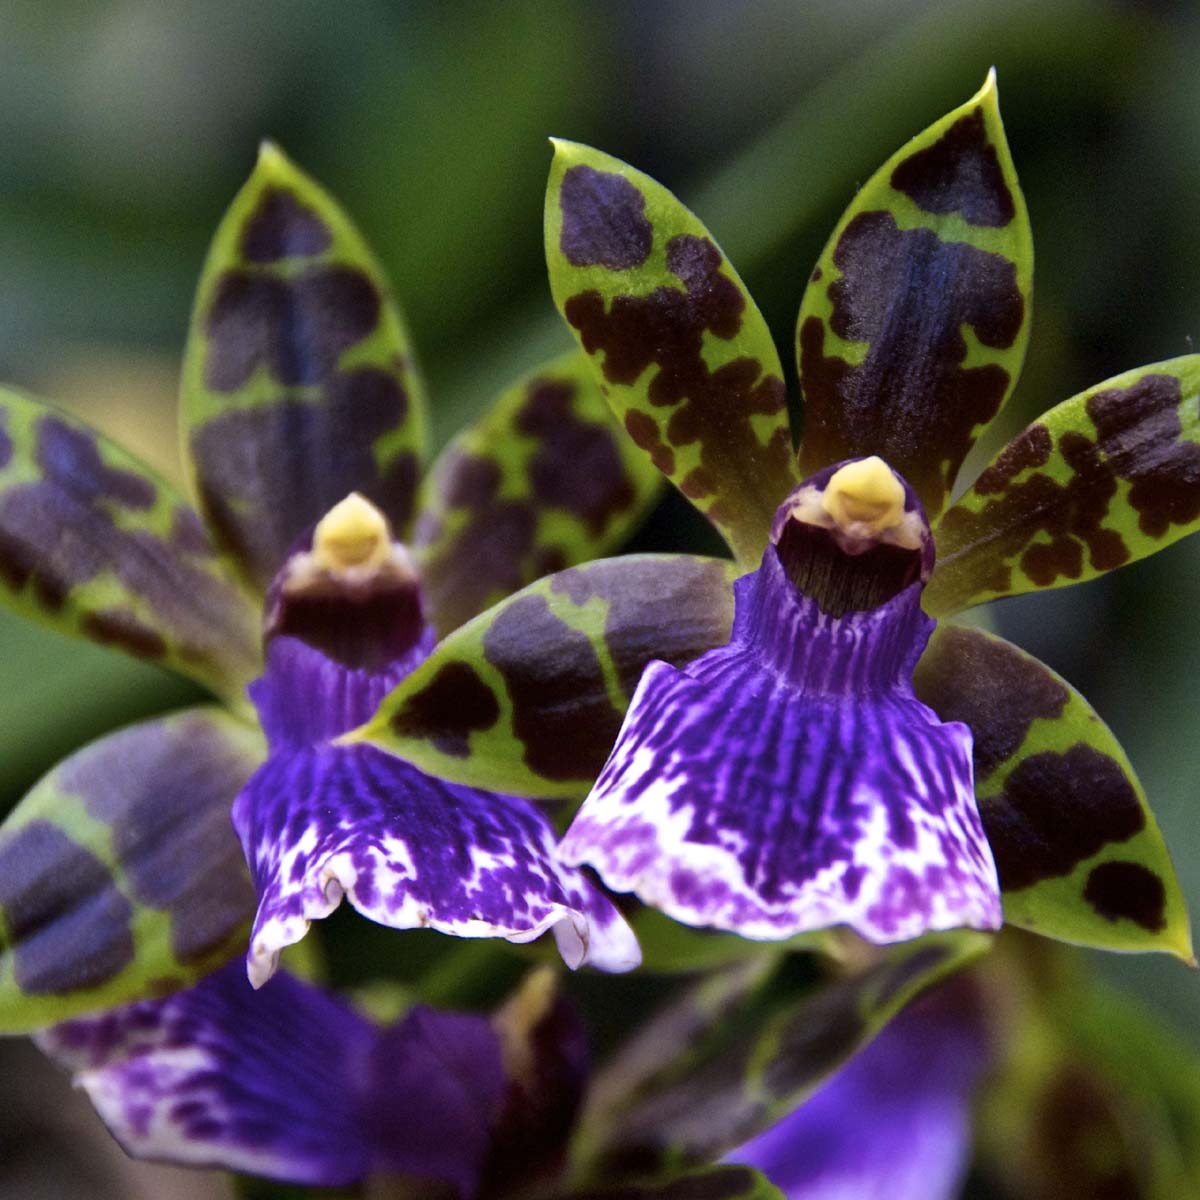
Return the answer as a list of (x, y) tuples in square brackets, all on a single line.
[(790, 781), (289, 1083), (410, 851), (895, 1122)]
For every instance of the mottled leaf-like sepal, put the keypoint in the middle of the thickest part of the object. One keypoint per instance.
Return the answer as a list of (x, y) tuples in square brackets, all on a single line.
[(1079, 855), (528, 697), (913, 327), (95, 545), (290, 1083), (713, 1070), (789, 782), (544, 480), (410, 851), (895, 1121), (726, 1182), (119, 873), (1103, 479), (680, 348), (298, 381)]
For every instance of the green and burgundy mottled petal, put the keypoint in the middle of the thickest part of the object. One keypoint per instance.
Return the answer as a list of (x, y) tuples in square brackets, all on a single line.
[(913, 326), (679, 347), (94, 544), (1078, 851), (1105, 478), (298, 381), (120, 874), (528, 697), (543, 481), (727, 1062)]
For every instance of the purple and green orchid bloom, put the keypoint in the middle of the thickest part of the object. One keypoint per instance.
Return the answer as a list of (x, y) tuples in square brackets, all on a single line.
[(841, 753), (120, 877)]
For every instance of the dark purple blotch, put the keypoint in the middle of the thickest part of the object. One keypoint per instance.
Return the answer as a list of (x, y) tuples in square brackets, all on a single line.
[(911, 400), (1127, 891), (562, 713), (603, 220), (992, 687), (577, 465), (68, 926), (1056, 811), (281, 226), (296, 329), (454, 704), (959, 173), (269, 472), (165, 790)]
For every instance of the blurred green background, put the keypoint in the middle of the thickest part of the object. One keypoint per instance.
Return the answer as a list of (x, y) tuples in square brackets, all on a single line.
[(126, 127)]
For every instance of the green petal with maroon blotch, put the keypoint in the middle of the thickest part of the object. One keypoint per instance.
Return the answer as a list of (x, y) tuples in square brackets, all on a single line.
[(913, 326), (742, 1049), (120, 875), (1103, 479), (528, 697), (94, 544), (544, 480), (1078, 851), (299, 386), (680, 349)]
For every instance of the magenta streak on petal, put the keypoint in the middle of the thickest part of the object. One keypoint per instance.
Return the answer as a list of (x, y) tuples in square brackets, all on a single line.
[(895, 1122), (289, 1083), (790, 781)]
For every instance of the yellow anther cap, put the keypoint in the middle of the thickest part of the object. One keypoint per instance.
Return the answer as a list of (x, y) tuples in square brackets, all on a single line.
[(352, 535), (864, 498)]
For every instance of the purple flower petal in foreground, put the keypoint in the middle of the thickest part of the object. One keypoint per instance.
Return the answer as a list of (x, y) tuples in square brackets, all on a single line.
[(319, 821), (790, 781), (290, 1083), (895, 1122)]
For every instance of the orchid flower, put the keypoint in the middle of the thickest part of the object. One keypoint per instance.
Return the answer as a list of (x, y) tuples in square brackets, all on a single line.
[(841, 754), (120, 877)]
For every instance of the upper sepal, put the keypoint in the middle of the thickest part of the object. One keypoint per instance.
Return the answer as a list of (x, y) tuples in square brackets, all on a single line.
[(679, 347), (1079, 854), (543, 480), (1103, 479), (298, 381), (913, 327), (120, 876), (528, 697), (94, 544)]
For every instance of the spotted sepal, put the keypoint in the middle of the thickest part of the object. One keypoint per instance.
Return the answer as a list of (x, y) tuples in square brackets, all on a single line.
[(120, 876), (1103, 479), (726, 1062), (545, 480), (298, 382), (93, 544), (914, 324), (528, 697), (1079, 854), (680, 348)]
